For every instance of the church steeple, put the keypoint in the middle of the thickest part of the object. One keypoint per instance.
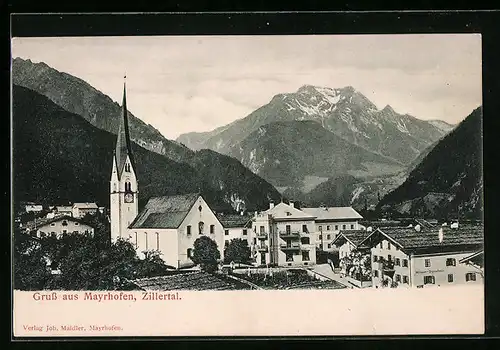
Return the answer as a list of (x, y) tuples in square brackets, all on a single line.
[(123, 145)]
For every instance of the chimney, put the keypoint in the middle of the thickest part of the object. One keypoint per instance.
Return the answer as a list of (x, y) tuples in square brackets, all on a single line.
[(440, 235), (417, 228), (271, 205), (291, 204)]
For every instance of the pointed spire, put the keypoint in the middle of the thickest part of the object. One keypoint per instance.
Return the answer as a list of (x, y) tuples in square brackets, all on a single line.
[(123, 144)]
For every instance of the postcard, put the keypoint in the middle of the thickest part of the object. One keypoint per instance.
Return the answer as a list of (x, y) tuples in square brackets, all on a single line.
[(258, 185)]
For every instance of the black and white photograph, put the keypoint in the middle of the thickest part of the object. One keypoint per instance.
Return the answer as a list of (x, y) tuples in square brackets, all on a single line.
[(164, 164)]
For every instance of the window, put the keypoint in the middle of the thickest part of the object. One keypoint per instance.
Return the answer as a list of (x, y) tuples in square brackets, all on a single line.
[(226, 243), (429, 279), (146, 239), (255, 240), (263, 258), (389, 245), (188, 228), (451, 262), (262, 230), (336, 227), (427, 262), (226, 232), (389, 257), (304, 228), (405, 279), (320, 228), (288, 229), (328, 236), (450, 277), (343, 227), (65, 223), (77, 224), (64, 231), (157, 241), (380, 245), (288, 213), (375, 258), (201, 227), (320, 236), (397, 262), (405, 262), (200, 208), (289, 257), (189, 252), (53, 224), (352, 227), (305, 256), (398, 278), (244, 232), (328, 227), (375, 273), (212, 228), (329, 245), (471, 276)]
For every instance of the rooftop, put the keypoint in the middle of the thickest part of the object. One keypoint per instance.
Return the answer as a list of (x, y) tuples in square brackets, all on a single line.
[(287, 212), (234, 220), (165, 212), (353, 236), (31, 225), (85, 206), (333, 213)]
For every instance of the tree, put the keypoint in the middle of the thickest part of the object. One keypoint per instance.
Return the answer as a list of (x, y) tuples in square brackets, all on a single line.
[(238, 251), (152, 265), (206, 253)]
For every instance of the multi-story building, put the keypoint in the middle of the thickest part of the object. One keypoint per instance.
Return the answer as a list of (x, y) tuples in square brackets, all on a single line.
[(81, 209), (416, 257), (329, 221), (58, 226), (236, 226), (285, 236), (348, 241), (64, 210)]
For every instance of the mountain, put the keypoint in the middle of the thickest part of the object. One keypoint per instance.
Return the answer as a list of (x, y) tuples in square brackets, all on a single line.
[(58, 156), (446, 127), (448, 181), (343, 111), (289, 153), (79, 97)]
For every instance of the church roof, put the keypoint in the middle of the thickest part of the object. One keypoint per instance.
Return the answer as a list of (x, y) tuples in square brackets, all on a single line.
[(123, 144), (165, 212)]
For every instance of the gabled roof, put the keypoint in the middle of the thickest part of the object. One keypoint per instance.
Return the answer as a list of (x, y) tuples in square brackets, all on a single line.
[(165, 212), (355, 237), (234, 220), (280, 211), (476, 258), (464, 238), (85, 206), (333, 213), (31, 225), (64, 208)]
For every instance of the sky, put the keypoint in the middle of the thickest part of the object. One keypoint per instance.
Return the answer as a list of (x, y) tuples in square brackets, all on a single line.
[(182, 84)]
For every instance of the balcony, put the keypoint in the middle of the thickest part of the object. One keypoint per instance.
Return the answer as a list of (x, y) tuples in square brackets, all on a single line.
[(261, 235), (306, 246), (291, 234), (262, 248), (305, 234), (294, 246)]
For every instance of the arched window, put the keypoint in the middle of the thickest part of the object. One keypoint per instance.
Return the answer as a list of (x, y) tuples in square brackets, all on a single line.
[(201, 226)]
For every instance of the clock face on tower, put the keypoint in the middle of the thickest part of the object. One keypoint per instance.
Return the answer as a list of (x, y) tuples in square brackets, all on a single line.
[(129, 198)]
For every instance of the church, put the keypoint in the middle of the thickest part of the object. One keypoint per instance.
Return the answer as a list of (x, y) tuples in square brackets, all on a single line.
[(168, 224)]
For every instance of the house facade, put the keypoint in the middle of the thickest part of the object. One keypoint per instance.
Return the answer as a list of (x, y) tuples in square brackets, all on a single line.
[(79, 210), (406, 257), (285, 236), (330, 221), (33, 208), (64, 210), (58, 226), (171, 225), (237, 226)]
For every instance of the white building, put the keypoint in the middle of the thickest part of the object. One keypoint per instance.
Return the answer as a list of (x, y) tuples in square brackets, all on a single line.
[(237, 226), (330, 221), (425, 257), (33, 208), (58, 226), (79, 210)]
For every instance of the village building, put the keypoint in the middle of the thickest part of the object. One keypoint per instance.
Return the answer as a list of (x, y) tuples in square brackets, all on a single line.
[(285, 236), (58, 226), (423, 257), (64, 210), (475, 260), (330, 221), (33, 208), (349, 241), (79, 210), (237, 226)]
